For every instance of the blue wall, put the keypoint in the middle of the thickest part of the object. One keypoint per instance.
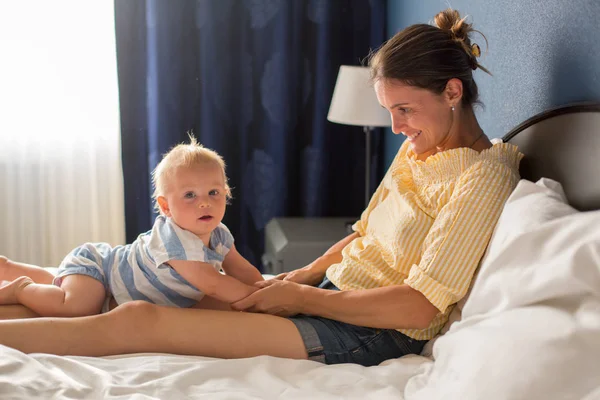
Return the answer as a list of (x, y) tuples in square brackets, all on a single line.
[(542, 53)]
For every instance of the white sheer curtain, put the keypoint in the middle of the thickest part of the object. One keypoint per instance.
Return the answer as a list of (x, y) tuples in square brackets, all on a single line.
[(61, 181)]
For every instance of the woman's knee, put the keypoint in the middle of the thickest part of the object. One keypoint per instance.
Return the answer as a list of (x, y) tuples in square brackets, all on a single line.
[(137, 321), (137, 312)]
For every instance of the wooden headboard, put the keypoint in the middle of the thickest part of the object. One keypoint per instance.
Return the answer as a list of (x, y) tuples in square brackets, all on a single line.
[(563, 144)]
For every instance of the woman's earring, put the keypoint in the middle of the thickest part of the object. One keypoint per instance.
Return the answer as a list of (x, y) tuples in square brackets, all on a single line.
[(452, 108)]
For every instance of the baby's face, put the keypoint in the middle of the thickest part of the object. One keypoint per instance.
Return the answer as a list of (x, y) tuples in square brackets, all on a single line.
[(196, 198)]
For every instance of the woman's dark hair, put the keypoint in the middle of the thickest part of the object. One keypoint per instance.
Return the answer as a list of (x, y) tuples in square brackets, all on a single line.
[(428, 56)]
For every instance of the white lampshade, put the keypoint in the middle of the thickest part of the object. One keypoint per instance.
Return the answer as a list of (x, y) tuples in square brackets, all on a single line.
[(354, 101)]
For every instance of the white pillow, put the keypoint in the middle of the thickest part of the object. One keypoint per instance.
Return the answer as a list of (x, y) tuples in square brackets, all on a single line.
[(531, 326), (546, 197)]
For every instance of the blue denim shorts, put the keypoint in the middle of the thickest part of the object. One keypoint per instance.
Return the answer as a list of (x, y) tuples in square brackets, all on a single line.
[(334, 342)]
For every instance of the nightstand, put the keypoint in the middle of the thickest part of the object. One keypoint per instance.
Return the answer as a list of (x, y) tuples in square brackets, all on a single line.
[(292, 243)]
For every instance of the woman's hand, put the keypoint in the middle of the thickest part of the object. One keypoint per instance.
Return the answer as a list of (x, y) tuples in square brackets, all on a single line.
[(304, 276), (276, 297)]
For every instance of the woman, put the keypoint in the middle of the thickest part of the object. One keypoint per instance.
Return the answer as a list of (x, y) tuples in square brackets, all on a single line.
[(387, 288)]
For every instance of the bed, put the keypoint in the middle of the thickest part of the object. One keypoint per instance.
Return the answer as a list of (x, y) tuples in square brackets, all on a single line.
[(528, 329)]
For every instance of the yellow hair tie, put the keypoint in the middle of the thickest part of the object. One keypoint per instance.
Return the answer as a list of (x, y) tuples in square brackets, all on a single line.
[(475, 50)]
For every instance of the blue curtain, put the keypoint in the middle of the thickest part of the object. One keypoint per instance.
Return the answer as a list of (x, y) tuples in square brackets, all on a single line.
[(251, 79)]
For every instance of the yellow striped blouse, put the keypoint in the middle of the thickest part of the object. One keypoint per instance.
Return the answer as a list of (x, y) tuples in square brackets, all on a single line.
[(428, 225)]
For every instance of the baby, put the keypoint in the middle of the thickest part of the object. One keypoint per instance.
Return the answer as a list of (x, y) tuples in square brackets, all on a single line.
[(174, 264)]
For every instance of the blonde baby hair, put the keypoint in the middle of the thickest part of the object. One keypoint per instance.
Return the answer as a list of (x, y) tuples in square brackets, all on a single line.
[(184, 155)]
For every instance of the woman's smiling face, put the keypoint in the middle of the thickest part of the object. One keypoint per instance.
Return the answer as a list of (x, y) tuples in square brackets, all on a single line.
[(425, 118)]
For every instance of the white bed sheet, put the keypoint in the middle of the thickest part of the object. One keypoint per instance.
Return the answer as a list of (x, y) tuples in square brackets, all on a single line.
[(162, 376)]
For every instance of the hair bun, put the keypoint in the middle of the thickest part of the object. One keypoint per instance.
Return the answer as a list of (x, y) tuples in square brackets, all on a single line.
[(450, 20)]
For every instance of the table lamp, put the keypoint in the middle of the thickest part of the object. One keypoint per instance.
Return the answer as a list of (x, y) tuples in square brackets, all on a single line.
[(354, 103)]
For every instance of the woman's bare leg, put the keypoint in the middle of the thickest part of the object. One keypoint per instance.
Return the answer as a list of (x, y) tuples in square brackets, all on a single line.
[(210, 303), (138, 327), (11, 270)]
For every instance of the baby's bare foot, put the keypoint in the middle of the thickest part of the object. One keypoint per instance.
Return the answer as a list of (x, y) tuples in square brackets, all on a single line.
[(8, 292), (3, 266)]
